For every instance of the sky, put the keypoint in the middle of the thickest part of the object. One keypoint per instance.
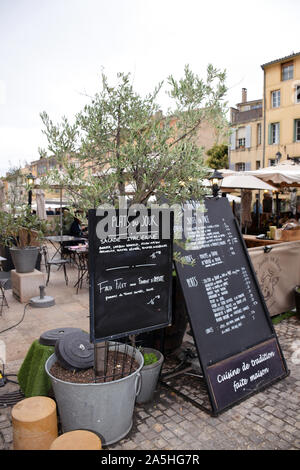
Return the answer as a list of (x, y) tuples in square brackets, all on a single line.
[(52, 53)]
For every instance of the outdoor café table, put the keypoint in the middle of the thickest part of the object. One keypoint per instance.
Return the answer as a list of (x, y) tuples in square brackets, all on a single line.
[(53, 239), (252, 241), (81, 261)]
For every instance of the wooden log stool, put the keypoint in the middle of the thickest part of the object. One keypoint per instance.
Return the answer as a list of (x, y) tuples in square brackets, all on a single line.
[(34, 422), (77, 440)]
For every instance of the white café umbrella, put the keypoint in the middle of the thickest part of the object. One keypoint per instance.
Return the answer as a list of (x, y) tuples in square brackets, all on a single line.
[(40, 204), (242, 181), (239, 180), (286, 173), (245, 183)]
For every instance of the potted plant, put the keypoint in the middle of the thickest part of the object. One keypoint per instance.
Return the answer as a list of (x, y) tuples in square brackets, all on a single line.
[(22, 233), (153, 361), (104, 406), (122, 146)]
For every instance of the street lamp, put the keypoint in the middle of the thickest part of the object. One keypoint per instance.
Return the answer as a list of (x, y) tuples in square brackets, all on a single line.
[(216, 182), (30, 180)]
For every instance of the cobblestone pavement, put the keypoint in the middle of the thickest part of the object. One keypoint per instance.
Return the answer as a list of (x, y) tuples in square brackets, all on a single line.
[(269, 420)]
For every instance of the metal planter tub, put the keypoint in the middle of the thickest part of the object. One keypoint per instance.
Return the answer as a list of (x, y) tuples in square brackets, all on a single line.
[(24, 259), (150, 375), (104, 408)]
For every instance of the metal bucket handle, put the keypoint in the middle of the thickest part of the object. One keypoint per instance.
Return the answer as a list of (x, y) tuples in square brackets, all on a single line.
[(138, 384)]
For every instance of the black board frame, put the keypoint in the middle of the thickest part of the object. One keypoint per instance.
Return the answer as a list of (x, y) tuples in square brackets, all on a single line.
[(214, 411), (96, 340)]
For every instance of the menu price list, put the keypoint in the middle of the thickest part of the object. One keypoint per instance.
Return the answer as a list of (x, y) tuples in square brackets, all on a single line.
[(221, 294)]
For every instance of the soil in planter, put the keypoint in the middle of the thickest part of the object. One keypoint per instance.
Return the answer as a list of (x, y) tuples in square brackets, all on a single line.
[(118, 366)]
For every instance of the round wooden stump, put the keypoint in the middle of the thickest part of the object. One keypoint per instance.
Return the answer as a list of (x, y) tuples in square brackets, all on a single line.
[(77, 440), (34, 422)]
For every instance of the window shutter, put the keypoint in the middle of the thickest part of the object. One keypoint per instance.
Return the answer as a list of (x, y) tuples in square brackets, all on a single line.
[(248, 137), (248, 166), (232, 139), (295, 130), (231, 166), (270, 134)]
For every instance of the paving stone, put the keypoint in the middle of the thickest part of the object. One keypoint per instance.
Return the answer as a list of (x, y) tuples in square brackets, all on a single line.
[(266, 421)]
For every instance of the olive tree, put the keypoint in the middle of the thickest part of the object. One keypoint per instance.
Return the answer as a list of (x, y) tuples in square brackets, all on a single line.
[(121, 143)]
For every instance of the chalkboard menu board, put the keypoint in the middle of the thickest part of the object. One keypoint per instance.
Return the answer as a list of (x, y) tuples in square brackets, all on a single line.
[(227, 312), (130, 273)]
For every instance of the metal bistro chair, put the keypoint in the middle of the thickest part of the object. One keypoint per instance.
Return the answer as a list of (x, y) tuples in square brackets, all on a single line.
[(83, 269), (54, 262)]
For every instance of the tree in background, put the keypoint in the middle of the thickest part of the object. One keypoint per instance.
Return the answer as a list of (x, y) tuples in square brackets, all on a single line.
[(121, 143), (16, 189), (218, 157)]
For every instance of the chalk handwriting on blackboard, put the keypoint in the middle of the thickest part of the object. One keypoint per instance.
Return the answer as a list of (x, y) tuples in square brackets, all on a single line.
[(131, 276), (226, 309)]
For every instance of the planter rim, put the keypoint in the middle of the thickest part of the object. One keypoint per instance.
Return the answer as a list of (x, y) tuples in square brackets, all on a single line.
[(91, 383), (159, 356), (14, 248)]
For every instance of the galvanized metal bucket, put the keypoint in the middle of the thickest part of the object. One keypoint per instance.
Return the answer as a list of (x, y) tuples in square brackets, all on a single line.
[(24, 259), (104, 408), (150, 375)]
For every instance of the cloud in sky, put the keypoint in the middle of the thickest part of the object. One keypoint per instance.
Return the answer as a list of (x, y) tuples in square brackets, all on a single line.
[(52, 52)]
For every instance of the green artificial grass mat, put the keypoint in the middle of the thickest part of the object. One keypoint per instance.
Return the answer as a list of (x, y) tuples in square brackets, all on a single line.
[(32, 377), (283, 316)]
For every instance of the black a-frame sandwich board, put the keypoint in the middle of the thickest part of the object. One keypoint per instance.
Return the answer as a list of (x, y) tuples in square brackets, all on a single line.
[(130, 272), (237, 346)]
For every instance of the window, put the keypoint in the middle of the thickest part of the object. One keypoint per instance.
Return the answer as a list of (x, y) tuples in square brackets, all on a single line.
[(287, 71), (241, 142), (275, 99), (42, 169), (257, 165), (241, 137), (272, 162), (274, 133), (240, 166), (297, 130), (298, 94), (259, 134)]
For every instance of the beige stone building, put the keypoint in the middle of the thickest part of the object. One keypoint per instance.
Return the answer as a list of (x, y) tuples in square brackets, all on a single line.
[(267, 130), (245, 148), (282, 109)]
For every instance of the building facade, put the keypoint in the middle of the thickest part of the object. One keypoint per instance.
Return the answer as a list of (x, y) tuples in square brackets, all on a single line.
[(282, 109), (40, 168), (245, 148), (267, 130)]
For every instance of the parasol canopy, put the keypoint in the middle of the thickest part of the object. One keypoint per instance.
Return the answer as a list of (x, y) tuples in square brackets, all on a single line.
[(242, 181), (286, 173), (239, 180), (40, 204)]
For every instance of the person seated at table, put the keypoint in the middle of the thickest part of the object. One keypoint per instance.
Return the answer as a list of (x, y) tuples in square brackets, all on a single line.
[(267, 203), (76, 229), (49, 211)]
